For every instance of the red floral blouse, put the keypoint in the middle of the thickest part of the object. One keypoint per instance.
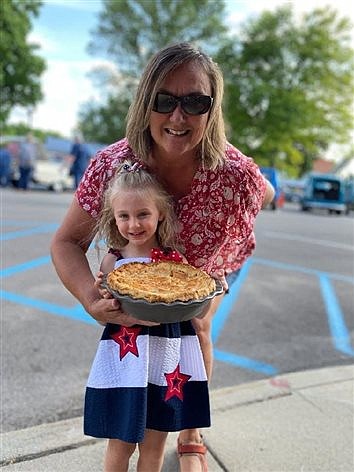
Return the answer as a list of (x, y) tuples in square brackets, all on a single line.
[(216, 218)]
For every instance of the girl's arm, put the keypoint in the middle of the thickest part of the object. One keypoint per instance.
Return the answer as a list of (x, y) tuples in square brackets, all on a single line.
[(68, 250), (107, 265)]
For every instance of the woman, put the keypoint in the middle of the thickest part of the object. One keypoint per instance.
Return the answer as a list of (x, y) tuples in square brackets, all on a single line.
[(175, 127)]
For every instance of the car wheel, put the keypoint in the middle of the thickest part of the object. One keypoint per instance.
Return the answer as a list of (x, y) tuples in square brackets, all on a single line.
[(56, 187)]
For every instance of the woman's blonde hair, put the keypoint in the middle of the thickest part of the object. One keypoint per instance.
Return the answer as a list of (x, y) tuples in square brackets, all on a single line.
[(212, 147), (134, 176)]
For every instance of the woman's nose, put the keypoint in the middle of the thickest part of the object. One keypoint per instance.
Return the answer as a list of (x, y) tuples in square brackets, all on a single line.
[(178, 114)]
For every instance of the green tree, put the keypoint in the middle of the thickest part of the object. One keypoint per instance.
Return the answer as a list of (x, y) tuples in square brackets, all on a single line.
[(104, 123), (21, 129), (130, 31), (21, 68), (289, 87)]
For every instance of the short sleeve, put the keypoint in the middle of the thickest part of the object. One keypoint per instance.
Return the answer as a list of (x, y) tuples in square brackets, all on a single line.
[(99, 172), (247, 186)]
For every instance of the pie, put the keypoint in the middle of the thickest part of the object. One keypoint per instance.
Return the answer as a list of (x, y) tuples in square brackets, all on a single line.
[(164, 281)]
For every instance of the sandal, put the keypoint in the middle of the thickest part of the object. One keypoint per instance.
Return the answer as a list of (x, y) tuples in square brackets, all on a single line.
[(194, 449)]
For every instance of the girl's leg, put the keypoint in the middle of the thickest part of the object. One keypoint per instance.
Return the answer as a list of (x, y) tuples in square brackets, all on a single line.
[(151, 451), (117, 455)]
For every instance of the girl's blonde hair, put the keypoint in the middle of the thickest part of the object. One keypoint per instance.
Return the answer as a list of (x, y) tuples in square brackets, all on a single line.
[(211, 151), (134, 176)]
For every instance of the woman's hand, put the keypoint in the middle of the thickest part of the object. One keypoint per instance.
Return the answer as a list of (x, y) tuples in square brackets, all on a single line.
[(108, 309), (221, 276)]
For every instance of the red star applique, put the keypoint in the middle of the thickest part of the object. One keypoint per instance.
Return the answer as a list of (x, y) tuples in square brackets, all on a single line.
[(126, 338), (175, 383)]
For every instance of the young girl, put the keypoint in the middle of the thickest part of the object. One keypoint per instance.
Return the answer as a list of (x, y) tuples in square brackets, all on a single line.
[(145, 380)]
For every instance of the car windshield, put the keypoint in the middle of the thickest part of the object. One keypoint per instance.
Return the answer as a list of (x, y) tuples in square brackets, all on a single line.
[(326, 189)]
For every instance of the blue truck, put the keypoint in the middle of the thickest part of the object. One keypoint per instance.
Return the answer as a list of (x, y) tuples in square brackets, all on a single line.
[(325, 191)]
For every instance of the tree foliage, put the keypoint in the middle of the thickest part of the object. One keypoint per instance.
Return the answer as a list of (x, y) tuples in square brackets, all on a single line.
[(289, 87), (130, 31), (289, 82), (105, 123), (22, 129), (21, 68)]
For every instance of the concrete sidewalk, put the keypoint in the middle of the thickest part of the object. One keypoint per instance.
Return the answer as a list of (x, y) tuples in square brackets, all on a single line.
[(299, 422)]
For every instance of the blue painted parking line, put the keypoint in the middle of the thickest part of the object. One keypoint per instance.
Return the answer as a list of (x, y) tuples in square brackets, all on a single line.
[(244, 362), (337, 326), (76, 313), (304, 270), (21, 223), (48, 228), (219, 321), (228, 302), (9, 271)]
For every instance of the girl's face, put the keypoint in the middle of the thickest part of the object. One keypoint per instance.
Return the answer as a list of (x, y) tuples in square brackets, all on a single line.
[(177, 133), (137, 218)]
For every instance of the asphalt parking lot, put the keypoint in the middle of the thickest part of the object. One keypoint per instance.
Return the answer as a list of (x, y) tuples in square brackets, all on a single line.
[(291, 308)]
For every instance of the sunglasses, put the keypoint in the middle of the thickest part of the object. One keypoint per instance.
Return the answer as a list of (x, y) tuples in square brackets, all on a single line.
[(190, 104)]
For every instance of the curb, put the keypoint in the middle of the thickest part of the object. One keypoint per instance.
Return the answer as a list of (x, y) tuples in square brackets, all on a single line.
[(50, 438)]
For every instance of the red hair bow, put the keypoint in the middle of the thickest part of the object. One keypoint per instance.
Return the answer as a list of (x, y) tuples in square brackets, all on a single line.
[(158, 255)]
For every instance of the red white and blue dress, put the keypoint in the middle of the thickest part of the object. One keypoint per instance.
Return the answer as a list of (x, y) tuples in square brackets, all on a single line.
[(146, 377)]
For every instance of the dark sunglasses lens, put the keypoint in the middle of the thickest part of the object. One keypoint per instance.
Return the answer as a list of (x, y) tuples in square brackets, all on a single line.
[(164, 103), (196, 104)]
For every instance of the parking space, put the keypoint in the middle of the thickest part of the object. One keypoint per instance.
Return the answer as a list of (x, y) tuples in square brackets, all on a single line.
[(280, 316)]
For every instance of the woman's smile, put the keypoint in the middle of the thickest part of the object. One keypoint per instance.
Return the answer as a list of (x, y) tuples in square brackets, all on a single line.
[(175, 132)]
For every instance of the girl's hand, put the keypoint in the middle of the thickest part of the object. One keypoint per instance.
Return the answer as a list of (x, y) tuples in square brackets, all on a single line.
[(98, 284)]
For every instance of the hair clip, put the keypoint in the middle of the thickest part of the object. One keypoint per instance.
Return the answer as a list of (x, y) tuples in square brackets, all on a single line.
[(133, 168)]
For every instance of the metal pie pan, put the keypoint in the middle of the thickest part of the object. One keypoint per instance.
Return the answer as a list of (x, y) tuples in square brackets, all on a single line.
[(162, 312)]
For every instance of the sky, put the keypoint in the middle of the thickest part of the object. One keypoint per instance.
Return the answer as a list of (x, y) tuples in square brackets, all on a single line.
[(62, 31)]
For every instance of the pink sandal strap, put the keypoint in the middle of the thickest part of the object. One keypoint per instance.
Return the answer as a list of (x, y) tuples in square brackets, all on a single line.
[(192, 448)]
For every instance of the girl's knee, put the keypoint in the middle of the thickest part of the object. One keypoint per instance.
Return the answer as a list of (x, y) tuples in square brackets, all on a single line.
[(118, 454)]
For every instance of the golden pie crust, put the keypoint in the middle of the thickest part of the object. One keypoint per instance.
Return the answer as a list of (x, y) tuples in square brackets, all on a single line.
[(164, 281)]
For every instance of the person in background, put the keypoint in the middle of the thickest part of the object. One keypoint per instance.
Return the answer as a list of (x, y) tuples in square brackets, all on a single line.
[(5, 165), (175, 127), (81, 158), (26, 161), (127, 400)]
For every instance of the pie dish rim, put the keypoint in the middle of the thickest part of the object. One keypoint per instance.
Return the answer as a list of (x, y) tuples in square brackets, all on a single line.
[(217, 291), (162, 312)]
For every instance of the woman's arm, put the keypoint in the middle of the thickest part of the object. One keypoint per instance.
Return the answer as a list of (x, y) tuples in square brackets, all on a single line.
[(68, 250), (269, 194)]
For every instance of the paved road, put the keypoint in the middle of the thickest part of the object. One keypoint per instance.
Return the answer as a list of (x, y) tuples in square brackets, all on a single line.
[(292, 308)]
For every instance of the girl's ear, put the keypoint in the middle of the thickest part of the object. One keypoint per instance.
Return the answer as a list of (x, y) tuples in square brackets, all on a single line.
[(161, 217)]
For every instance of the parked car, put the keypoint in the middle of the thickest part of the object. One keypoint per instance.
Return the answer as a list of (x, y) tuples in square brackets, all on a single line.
[(53, 174), (50, 171), (272, 175), (325, 191), (293, 190), (349, 194)]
